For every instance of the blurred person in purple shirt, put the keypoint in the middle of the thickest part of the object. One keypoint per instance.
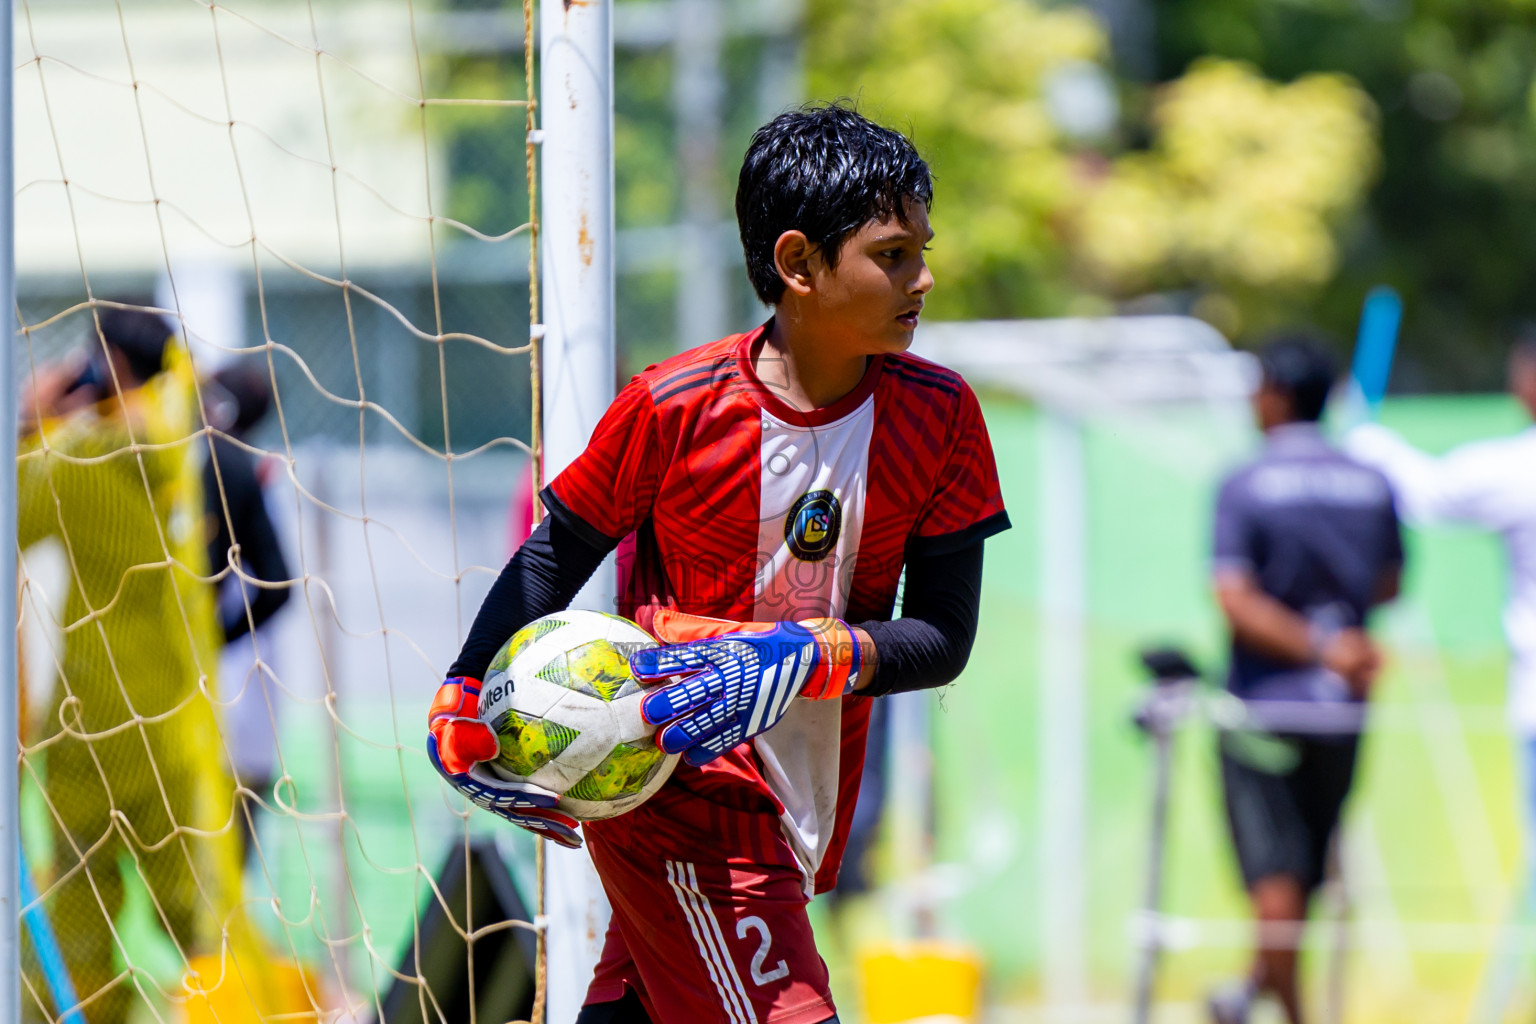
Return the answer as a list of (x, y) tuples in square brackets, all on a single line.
[(1307, 542)]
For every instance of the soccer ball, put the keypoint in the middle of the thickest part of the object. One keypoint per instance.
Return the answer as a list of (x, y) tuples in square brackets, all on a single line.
[(566, 709)]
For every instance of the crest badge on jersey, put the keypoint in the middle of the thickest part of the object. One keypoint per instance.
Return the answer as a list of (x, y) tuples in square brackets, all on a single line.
[(812, 527)]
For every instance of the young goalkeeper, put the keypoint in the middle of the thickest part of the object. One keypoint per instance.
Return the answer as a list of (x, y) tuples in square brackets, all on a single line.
[(775, 482)]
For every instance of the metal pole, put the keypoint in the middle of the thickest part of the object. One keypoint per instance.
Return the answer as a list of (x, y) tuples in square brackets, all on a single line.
[(1063, 696), (576, 235), (1150, 936), (10, 695), (576, 253)]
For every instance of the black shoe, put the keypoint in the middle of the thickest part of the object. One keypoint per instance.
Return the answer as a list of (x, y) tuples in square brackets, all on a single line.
[(1230, 1005)]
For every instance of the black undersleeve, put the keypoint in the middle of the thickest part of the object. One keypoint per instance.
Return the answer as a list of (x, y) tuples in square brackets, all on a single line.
[(931, 642), (542, 577), (926, 647)]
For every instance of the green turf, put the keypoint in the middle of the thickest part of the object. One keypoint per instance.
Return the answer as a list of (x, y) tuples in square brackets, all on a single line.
[(1435, 804), (1435, 818)]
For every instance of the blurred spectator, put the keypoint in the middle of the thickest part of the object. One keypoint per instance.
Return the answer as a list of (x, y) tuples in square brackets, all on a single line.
[(131, 759), (1307, 542), (1491, 484), (235, 400), (857, 874)]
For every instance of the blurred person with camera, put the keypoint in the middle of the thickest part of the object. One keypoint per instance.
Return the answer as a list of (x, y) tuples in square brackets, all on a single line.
[(131, 761), (1307, 542)]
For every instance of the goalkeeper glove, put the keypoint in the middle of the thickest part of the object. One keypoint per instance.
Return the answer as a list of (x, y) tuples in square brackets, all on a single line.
[(739, 679), (457, 741)]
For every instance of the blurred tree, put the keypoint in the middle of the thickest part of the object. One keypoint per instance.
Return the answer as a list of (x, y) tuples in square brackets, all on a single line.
[(1402, 152), (1239, 195), (485, 145), (1237, 198), (1452, 221), (968, 80)]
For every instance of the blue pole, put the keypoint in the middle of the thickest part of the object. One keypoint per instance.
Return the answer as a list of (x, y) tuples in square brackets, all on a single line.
[(49, 956), (1375, 345)]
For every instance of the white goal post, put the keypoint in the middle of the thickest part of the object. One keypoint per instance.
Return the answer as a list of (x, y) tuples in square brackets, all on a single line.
[(10, 697), (577, 370)]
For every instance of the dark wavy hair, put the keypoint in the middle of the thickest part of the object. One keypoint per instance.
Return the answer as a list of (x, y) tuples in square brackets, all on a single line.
[(138, 334), (1301, 368), (826, 171)]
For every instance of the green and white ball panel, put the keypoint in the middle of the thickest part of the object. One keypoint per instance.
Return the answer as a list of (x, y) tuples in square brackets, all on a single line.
[(595, 721), (599, 668), (566, 708), (529, 743)]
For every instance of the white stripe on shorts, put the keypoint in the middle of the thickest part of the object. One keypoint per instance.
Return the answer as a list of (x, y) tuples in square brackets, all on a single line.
[(717, 960), (708, 913)]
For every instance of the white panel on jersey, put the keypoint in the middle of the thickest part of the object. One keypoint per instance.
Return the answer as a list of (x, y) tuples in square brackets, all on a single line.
[(811, 520), (812, 514)]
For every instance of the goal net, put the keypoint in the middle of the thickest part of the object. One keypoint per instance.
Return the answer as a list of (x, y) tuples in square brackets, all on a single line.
[(248, 554)]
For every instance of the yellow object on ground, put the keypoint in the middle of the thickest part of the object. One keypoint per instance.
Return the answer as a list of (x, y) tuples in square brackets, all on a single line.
[(130, 758), (920, 981), (221, 995)]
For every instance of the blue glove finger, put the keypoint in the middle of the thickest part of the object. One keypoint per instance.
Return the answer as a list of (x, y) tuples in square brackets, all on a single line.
[(698, 757), (697, 728), (677, 737), (714, 744), (553, 824), (522, 801), (655, 663), (667, 702)]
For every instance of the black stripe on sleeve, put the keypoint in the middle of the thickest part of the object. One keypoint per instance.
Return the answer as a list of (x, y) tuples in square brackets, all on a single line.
[(927, 378), (716, 378), (683, 379), (589, 534), (948, 543)]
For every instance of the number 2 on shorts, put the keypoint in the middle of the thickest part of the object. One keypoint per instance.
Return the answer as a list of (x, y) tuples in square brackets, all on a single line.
[(757, 924)]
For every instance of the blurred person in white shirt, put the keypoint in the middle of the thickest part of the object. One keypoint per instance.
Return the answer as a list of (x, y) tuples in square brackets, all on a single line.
[(1491, 484)]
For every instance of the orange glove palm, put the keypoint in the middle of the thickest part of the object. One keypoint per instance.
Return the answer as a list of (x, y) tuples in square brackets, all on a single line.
[(457, 741)]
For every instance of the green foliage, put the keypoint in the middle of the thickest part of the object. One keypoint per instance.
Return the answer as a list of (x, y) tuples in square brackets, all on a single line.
[(1240, 194), (484, 145), (966, 79), (1293, 154), (1238, 197), (1452, 220), (644, 139)]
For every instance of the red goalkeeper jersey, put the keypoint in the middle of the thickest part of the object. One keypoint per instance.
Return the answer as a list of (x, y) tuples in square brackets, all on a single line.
[(733, 504)]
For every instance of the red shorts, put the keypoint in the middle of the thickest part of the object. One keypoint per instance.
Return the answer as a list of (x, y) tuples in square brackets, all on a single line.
[(701, 936)]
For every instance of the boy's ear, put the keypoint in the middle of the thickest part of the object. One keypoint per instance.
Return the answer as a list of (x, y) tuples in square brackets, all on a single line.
[(793, 256)]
